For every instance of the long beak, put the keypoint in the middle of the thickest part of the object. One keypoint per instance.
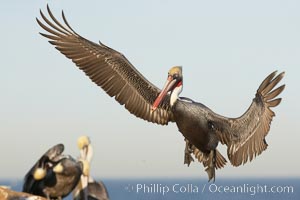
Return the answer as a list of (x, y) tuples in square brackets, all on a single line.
[(89, 153), (167, 87), (84, 152)]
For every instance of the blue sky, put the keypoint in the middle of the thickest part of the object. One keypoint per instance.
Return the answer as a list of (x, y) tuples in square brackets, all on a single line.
[(226, 49)]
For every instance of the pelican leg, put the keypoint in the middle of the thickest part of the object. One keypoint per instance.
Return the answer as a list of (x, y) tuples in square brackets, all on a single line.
[(211, 165), (187, 153), (46, 194)]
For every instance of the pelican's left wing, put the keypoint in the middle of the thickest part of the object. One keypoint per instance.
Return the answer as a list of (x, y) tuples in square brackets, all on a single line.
[(245, 136), (109, 69)]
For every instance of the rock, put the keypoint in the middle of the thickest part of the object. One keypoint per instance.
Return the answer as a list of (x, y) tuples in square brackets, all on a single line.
[(8, 194)]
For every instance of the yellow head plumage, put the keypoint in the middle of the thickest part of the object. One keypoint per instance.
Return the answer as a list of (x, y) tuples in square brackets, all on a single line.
[(176, 70), (58, 168), (83, 141), (39, 173)]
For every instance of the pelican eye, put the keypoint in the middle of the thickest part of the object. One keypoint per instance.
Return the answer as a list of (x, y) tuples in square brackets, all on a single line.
[(175, 76)]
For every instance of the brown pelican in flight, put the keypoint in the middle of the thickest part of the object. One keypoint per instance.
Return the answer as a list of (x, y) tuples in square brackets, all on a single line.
[(202, 128), (88, 188), (54, 175)]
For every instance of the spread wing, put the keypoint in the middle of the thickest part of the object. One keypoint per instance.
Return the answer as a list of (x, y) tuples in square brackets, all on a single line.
[(245, 136), (109, 69)]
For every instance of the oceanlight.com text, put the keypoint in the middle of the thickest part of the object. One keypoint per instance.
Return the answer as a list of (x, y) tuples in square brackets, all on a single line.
[(213, 188), (251, 189)]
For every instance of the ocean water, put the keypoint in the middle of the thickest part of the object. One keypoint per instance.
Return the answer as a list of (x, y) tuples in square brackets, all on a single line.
[(192, 189)]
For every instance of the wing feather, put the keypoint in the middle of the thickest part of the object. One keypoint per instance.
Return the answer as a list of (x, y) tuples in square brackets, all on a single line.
[(245, 136), (107, 68)]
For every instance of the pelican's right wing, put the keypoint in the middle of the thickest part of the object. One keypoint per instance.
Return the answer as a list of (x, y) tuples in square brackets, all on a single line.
[(109, 69)]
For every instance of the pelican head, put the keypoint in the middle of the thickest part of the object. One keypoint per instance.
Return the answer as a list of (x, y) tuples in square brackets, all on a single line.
[(59, 168), (44, 163), (39, 173), (85, 147), (173, 85)]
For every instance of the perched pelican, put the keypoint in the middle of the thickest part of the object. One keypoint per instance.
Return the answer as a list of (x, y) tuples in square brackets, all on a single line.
[(40, 168), (202, 128), (54, 175), (88, 188)]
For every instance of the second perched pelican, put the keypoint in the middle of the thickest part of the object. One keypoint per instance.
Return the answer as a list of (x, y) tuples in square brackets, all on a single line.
[(88, 188), (202, 128), (54, 175)]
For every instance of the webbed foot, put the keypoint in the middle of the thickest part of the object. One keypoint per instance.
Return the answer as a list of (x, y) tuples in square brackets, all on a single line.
[(187, 153), (211, 166)]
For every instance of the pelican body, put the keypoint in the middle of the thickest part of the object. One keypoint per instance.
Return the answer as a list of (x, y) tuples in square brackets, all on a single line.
[(94, 191), (41, 169), (193, 122), (88, 188), (202, 128), (61, 181)]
